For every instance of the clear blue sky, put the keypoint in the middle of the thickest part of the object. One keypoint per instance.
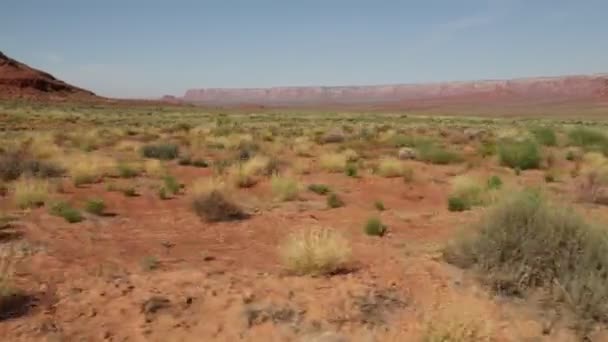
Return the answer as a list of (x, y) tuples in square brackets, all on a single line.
[(143, 48)]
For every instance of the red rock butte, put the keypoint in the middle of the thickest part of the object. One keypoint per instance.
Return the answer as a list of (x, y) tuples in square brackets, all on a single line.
[(18, 80)]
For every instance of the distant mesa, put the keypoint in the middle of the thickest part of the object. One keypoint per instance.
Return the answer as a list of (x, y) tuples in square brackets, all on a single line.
[(526, 90), (18, 80)]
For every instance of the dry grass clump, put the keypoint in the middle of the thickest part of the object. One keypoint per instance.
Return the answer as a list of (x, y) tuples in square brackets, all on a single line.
[(89, 168), (212, 201), (128, 146), (455, 324), (390, 167), (594, 184), (333, 162), (42, 146), (31, 192), (526, 243), (285, 188), (315, 251), (248, 173), (466, 192), (155, 168)]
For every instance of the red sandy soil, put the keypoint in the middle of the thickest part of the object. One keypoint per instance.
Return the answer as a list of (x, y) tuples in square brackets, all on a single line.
[(224, 281)]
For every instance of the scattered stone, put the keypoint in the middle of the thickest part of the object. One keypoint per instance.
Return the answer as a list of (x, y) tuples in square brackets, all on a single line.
[(154, 304), (406, 153)]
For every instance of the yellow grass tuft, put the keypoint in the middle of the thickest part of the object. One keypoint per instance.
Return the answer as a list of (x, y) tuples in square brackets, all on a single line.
[(315, 251), (285, 188), (247, 174), (333, 162), (155, 168), (390, 167), (31, 192), (88, 168)]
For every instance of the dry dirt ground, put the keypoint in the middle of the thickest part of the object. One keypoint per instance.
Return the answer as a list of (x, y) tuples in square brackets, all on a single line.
[(152, 270)]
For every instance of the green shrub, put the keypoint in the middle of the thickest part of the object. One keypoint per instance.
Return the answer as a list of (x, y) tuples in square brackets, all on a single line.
[(544, 135), (162, 193), (523, 155), (458, 204), (334, 201), (585, 137), (164, 151), (319, 189), (494, 183), (64, 210), (351, 170), (526, 243), (127, 171), (95, 206), (171, 185), (374, 227), (285, 188), (129, 191), (487, 149), (379, 205), (549, 177), (200, 163), (435, 154)]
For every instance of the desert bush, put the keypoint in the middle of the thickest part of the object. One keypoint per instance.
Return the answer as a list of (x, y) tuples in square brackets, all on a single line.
[(522, 155), (31, 192), (13, 165), (586, 137), (379, 205), (202, 163), (487, 148), (351, 170), (436, 154), (458, 204), (333, 162), (550, 176), (213, 201), (95, 206), (494, 183), (65, 210), (171, 185), (334, 201), (127, 170), (162, 193), (165, 151), (315, 251), (544, 135), (284, 188), (374, 227), (466, 192), (319, 189), (129, 191), (526, 243), (390, 167), (215, 206)]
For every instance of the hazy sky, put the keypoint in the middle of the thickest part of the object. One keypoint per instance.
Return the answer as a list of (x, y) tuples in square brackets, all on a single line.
[(143, 48)]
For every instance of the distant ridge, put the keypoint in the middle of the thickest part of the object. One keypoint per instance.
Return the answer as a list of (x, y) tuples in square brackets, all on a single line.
[(523, 90)]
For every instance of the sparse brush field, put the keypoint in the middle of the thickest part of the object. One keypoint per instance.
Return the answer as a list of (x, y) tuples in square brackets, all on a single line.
[(180, 223)]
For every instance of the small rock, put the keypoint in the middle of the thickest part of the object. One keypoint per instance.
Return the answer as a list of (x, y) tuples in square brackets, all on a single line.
[(406, 153), (209, 258), (155, 304), (248, 296)]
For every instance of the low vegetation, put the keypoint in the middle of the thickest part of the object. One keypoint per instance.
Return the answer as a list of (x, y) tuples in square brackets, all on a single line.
[(165, 151), (391, 167), (315, 251), (65, 210), (95, 206), (285, 188), (374, 227), (31, 192), (213, 202), (526, 243), (522, 155)]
